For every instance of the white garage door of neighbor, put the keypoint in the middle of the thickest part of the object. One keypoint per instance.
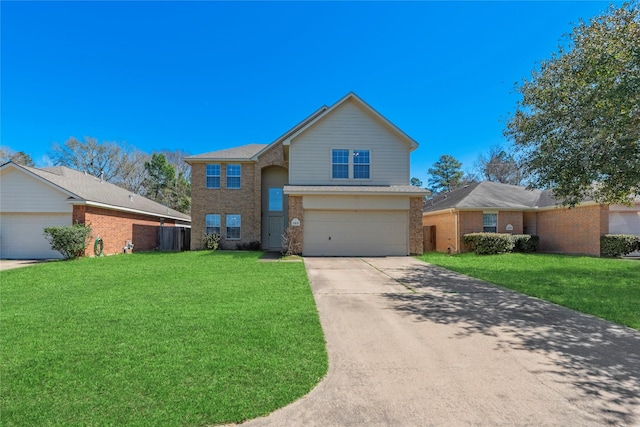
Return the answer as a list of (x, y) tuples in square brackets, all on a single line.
[(355, 233), (22, 236)]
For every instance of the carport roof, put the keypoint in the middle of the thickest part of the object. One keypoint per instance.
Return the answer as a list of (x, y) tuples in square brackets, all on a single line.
[(370, 190)]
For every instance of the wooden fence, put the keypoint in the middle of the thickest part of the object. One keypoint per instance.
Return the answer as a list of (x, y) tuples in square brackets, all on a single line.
[(174, 238)]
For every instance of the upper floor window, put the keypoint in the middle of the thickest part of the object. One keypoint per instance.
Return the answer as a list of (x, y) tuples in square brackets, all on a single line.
[(490, 222), (213, 223), (233, 176), (340, 164), (361, 164), (233, 227), (213, 176), (275, 199)]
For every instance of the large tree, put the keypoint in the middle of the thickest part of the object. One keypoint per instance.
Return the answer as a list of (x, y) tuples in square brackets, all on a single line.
[(446, 174), (163, 185), (19, 157), (578, 122), (499, 165)]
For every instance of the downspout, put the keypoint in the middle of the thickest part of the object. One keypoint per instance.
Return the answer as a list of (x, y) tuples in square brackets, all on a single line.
[(457, 236), (453, 212)]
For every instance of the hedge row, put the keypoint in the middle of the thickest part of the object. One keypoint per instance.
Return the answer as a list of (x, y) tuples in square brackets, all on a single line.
[(498, 243), (617, 245)]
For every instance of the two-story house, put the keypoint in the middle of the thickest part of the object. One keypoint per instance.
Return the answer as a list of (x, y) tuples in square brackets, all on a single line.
[(341, 177)]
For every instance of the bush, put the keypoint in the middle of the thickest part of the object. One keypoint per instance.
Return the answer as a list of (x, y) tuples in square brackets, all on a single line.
[(525, 243), (251, 246), (617, 245), (70, 240), (292, 241), (212, 241), (489, 243)]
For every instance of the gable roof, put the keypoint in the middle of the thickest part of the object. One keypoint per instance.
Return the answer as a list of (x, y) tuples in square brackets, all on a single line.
[(353, 97), (82, 188), (491, 195), (252, 152)]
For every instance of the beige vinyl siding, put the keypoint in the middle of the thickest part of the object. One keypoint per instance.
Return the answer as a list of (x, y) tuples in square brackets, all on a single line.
[(20, 192), (351, 127)]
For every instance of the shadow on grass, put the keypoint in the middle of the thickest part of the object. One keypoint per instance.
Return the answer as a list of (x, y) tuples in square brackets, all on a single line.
[(600, 359)]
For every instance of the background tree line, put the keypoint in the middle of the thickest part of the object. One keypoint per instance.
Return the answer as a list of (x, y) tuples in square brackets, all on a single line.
[(162, 176)]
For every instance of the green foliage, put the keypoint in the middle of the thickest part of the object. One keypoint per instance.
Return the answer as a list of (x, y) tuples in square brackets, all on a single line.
[(71, 240), (217, 337), (212, 241), (578, 122), (617, 245), (489, 243), (164, 186), (446, 174), (416, 182), (525, 243), (607, 288)]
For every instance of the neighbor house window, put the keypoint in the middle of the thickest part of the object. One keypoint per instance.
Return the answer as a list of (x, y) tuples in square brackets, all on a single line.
[(361, 163), (233, 227), (340, 164), (233, 176), (213, 176), (275, 199), (213, 223), (490, 222)]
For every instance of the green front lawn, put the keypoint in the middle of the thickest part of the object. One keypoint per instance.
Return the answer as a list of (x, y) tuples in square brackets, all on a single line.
[(189, 339), (607, 288)]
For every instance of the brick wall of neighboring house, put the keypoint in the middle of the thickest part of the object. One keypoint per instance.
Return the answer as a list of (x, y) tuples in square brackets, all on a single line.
[(469, 222), (445, 224), (510, 217), (415, 226), (296, 211), (576, 230), (116, 227), (224, 201)]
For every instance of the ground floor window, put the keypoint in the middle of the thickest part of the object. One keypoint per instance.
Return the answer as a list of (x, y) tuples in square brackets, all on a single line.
[(490, 222), (213, 223), (233, 227)]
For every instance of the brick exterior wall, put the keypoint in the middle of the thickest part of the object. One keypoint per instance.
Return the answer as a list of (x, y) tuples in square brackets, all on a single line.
[(445, 224), (116, 227), (245, 201), (576, 230), (296, 211), (515, 218), (415, 226)]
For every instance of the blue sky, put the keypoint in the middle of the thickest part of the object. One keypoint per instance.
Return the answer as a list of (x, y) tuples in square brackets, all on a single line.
[(202, 76)]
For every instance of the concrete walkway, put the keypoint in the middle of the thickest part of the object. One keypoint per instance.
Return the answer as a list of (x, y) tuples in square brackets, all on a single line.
[(414, 345)]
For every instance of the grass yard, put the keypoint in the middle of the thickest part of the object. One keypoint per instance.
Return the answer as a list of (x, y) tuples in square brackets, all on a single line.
[(607, 288), (188, 339)]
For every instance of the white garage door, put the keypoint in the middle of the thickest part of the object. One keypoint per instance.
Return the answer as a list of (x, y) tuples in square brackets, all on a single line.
[(21, 235), (355, 233)]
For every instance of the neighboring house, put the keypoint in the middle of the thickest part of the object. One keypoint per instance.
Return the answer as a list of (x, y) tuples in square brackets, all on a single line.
[(32, 199), (340, 179), (502, 208)]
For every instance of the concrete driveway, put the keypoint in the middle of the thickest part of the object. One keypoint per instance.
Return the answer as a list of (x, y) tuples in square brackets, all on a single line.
[(411, 344)]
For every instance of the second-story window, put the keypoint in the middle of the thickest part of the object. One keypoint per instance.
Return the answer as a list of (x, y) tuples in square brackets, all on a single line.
[(361, 164), (233, 176), (213, 176), (340, 164)]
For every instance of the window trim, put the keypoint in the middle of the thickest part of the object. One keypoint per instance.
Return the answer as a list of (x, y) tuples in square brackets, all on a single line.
[(484, 227), (347, 164), (207, 176), (239, 227), (239, 176), (368, 164), (206, 223)]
